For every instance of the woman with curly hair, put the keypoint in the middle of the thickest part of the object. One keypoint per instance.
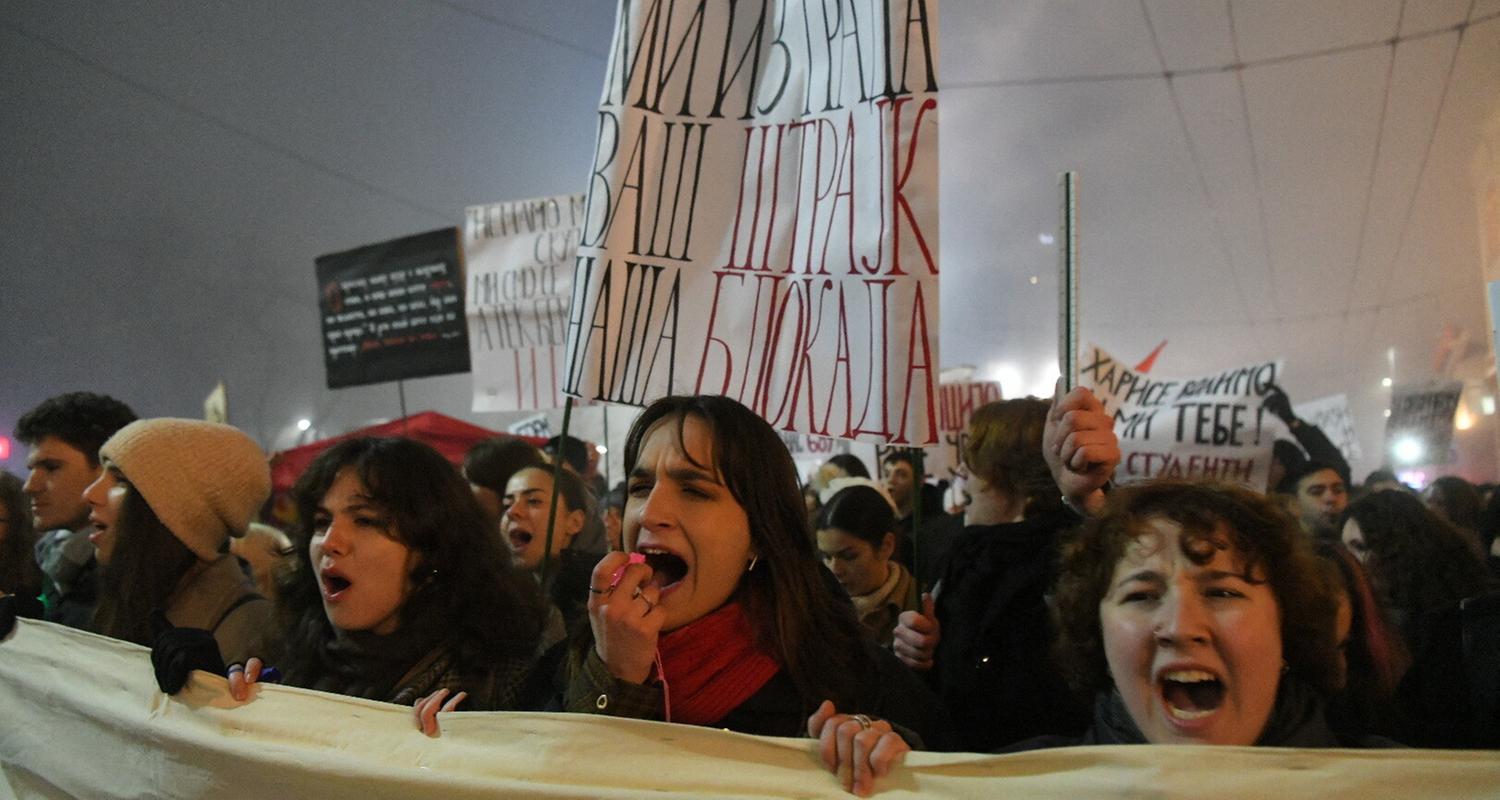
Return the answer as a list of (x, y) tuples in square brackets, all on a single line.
[(1198, 614), (400, 590)]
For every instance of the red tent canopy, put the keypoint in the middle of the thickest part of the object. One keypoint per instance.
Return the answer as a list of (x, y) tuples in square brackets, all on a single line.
[(449, 436)]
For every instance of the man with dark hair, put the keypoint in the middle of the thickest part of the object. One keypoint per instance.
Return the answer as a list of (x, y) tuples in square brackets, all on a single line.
[(1321, 497), (489, 464), (573, 451), (64, 434)]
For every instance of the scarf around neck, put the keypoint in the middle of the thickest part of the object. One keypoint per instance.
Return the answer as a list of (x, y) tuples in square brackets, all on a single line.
[(882, 595), (710, 667)]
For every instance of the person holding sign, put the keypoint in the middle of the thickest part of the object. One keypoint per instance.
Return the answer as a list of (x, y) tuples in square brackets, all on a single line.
[(400, 589), (984, 640), (719, 613)]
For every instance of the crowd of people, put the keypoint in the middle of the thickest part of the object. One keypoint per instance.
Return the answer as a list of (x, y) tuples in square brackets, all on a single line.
[(713, 587)]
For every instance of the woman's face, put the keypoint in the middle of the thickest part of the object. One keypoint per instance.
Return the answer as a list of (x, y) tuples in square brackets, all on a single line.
[(694, 534), (1194, 650), (363, 568), (523, 526), (105, 496), (1354, 539), (858, 566)]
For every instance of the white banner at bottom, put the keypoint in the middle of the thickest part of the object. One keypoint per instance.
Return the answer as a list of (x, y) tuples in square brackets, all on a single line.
[(80, 716)]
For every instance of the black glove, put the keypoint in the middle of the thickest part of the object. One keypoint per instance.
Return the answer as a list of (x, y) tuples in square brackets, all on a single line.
[(7, 615), (1279, 404), (176, 652)]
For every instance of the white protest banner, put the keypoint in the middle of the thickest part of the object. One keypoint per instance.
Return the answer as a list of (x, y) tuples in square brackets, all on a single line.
[(519, 266), (762, 215), (83, 718), (1420, 427), (535, 425), (1209, 427), (956, 405), (1331, 415)]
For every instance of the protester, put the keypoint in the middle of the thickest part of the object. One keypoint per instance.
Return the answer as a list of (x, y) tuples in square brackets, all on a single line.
[(1459, 502), (719, 614), (489, 464), (528, 505), (1312, 443), (19, 573), (64, 434), (1382, 479), (399, 589), (1422, 569), (613, 514), (985, 641), (856, 539), (1198, 614), (1372, 658), (171, 494), (264, 550), (1320, 495)]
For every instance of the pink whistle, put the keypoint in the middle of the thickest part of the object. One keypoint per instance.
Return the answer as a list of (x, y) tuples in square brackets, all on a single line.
[(635, 558)]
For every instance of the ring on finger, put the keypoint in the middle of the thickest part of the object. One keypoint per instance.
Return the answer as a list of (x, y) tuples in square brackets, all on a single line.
[(235, 667), (863, 720)]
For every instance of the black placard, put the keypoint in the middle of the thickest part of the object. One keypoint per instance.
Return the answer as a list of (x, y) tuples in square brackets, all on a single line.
[(393, 310)]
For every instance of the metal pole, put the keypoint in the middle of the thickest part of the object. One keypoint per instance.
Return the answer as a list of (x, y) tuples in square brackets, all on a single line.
[(556, 479)]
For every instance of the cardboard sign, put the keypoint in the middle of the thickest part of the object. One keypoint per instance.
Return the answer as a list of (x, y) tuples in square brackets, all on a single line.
[(762, 216), (957, 403), (536, 425), (1208, 427), (1423, 412), (1331, 415), (520, 278), (391, 310)]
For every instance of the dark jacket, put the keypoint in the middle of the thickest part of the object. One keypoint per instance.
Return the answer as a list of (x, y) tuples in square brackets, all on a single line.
[(993, 667), (891, 693)]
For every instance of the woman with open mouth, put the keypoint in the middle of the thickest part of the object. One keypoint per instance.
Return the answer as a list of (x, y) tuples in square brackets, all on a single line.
[(1198, 614), (719, 613), (400, 590), (527, 505), (170, 495)]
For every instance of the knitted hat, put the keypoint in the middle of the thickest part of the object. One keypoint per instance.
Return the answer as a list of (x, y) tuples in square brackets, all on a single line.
[(205, 481)]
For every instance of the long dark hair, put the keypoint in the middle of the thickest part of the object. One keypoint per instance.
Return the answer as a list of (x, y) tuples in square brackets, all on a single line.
[(792, 604), (19, 572), (1419, 562), (145, 567), (484, 609)]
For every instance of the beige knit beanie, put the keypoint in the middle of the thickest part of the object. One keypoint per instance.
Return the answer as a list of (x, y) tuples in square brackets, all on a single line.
[(204, 480)]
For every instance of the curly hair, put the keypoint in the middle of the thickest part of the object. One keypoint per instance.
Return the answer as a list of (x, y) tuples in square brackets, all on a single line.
[(1213, 517), (19, 572), (1418, 562), (463, 576), (795, 609), (84, 420), (1004, 447)]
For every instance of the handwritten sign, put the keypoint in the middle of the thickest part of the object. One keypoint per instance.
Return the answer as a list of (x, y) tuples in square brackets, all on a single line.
[(761, 219), (392, 310), (520, 278), (1208, 427), (1331, 415), (1424, 413)]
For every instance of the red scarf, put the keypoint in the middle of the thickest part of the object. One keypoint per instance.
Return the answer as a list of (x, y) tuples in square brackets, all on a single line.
[(711, 666)]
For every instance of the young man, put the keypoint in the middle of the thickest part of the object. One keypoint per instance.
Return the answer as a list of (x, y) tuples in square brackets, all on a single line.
[(1321, 497), (64, 434)]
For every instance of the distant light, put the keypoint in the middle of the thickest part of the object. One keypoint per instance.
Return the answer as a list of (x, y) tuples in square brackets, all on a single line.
[(1408, 450), (303, 424), (1487, 405), (600, 449), (1388, 412), (1008, 376), (1033, 280), (1045, 238), (1463, 420), (4, 448), (1415, 478), (1386, 382)]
